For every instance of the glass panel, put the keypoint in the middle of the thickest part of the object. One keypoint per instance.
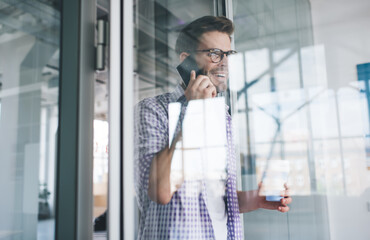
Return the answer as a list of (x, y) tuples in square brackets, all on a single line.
[(300, 90), (29, 89), (195, 167)]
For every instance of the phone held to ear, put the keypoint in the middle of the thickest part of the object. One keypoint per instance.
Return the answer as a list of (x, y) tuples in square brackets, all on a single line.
[(186, 67)]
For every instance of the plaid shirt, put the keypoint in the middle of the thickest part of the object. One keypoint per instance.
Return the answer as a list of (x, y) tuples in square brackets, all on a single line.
[(184, 217)]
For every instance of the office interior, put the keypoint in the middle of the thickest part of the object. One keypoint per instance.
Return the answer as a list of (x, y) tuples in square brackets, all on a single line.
[(299, 91)]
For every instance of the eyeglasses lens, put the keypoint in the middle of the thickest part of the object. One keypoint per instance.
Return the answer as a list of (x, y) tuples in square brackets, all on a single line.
[(216, 57)]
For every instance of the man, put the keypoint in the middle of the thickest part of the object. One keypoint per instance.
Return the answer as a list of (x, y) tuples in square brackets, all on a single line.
[(167, 214)]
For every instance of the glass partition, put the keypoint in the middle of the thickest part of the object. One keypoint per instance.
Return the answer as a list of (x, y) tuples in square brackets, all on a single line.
[(279, 149), (157, 118), (300, 95), (29, 91)]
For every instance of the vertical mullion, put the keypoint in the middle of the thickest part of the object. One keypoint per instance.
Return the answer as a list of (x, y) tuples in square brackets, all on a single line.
[(76, 106), (86, 120), (114, 193), (66, 203), (128, 197)]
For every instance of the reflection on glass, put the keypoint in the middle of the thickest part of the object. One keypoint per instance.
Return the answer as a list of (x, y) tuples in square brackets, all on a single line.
[(201, 153), (29, 86), (301, 100)]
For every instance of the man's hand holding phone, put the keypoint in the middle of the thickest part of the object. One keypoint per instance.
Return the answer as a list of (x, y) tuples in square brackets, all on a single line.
[(199, 87)]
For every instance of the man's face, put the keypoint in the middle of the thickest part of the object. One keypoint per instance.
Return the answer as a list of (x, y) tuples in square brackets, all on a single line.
[(217, 72)]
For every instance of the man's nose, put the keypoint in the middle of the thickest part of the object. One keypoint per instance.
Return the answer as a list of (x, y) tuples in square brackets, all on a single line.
[(224, 61)]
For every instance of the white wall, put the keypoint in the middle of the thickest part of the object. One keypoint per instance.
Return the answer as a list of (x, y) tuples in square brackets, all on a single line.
[(342, 26)]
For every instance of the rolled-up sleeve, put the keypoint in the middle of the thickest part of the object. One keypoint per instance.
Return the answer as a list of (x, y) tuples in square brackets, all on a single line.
[(151, 136)]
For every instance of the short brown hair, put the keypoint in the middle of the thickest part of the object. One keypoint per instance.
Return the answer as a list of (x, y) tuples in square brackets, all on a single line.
[(189, 36)]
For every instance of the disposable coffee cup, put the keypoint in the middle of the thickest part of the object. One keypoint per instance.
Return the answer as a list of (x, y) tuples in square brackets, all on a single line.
[(274, 178)]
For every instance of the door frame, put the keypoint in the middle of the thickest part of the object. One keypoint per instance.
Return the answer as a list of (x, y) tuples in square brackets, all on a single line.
[(76, 110)]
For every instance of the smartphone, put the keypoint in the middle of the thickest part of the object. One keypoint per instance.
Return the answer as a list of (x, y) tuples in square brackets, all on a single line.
[(186, 67)]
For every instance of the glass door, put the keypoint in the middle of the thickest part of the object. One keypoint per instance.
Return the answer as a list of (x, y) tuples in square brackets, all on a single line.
[(46, 119), (29, 114)]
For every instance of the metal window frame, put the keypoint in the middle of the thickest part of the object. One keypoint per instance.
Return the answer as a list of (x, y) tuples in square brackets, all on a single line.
[(128, 198), (75, 131), (121, 202), (115, 117)]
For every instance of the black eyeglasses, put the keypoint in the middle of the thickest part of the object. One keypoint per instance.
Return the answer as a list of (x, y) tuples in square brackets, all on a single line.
[(216, 54)]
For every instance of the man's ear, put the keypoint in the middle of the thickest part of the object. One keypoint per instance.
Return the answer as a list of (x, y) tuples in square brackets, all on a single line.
[(183, 55)]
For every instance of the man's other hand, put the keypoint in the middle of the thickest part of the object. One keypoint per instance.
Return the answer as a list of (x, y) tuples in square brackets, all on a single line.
[(251, 200), (281, 206)]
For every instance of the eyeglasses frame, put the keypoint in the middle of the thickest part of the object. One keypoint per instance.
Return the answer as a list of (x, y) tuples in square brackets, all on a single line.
[(214, 50)]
